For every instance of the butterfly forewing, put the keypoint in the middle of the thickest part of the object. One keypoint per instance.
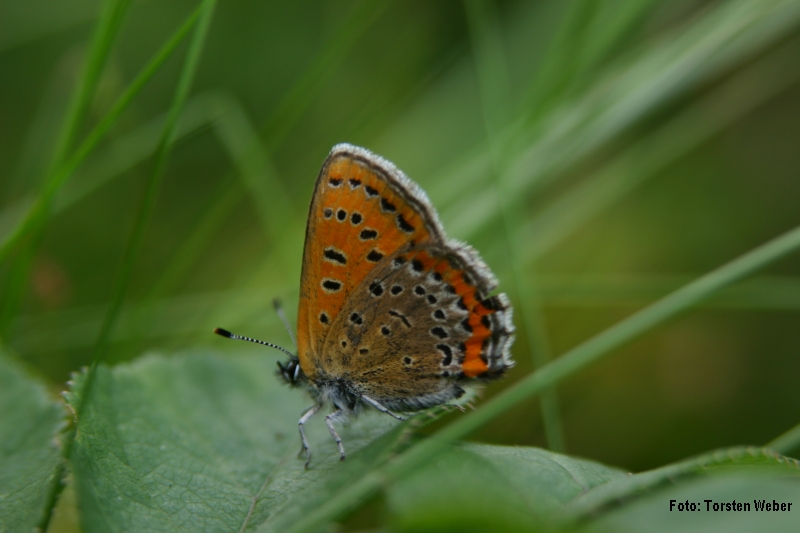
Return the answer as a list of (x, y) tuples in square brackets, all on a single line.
[(363, 211)]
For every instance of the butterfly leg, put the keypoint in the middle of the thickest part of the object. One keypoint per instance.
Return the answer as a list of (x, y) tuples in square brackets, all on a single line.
[(311, 411), (380, 407), (330, 419)]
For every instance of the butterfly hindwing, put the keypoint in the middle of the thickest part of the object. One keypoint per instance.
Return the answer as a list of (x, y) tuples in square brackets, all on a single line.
[(420, 324)]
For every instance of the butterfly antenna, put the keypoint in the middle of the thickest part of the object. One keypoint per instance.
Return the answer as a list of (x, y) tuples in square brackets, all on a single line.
[(279, 309), (228, 334)]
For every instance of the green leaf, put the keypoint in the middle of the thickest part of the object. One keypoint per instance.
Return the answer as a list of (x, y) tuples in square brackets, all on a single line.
[(30, 457), (744, 475), (199, 443), (477, 487)]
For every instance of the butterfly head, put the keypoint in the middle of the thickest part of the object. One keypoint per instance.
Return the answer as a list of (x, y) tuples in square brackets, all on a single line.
[(291, 372)]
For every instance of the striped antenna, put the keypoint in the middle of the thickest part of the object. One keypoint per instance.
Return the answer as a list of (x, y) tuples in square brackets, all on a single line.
[(228, 334), (279, 309)]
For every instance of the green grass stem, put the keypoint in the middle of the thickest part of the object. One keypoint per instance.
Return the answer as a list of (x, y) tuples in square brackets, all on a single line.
[(206, 10), (38, 212), (489, 58), (788, 443)]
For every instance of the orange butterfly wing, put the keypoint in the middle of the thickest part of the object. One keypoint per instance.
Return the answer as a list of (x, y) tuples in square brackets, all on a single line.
[(363, 209)]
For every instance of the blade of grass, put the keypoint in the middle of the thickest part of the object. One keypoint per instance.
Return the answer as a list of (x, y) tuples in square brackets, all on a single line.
[(301, 94), (107, 30), (102, 41), (202, 17), (146, 207), (38, 212), (609, 33), (648, 79), (489, 57), (565, 366), (786, 443), (287, 112), (644, 158), (556, 69)]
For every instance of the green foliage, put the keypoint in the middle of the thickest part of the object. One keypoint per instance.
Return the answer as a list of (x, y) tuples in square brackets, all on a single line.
[(30, 455), (198, 443), (477, 487)]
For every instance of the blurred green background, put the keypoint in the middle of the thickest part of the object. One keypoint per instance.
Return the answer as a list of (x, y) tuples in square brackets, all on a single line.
[(599, 154)]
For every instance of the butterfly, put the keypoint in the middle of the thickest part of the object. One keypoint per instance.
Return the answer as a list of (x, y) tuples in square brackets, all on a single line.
[(393, 314)]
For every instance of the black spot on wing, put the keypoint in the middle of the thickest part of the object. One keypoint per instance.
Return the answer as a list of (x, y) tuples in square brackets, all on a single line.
[(440, 332), (374, 256), (447, 352), (375, 288), (331, 285), (387, 206), (403, 224), (402, 317), (367, 234), (334, 256)]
